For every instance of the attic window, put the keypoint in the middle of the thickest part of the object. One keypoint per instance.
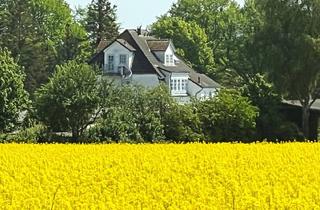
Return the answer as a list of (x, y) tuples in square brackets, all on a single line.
[(169, 60)]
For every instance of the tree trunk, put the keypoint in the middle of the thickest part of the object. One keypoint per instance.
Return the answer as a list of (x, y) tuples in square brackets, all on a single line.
[(75, 135), (305, 120)]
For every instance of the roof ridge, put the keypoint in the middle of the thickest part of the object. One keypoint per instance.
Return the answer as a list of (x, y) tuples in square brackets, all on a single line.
[(144, 54)]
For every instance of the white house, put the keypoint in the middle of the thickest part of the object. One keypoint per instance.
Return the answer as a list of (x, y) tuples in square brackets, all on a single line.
[(148, 61)]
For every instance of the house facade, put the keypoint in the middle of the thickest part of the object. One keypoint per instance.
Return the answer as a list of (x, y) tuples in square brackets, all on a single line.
[(144, 60)]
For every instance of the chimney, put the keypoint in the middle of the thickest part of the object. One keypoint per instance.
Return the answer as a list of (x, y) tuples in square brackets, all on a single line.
[(139, 30)]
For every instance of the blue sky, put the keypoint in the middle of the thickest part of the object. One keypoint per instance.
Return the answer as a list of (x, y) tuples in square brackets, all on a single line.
[(133, 13)]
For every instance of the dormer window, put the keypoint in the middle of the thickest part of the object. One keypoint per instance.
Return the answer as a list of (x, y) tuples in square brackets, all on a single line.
[(169, 60)]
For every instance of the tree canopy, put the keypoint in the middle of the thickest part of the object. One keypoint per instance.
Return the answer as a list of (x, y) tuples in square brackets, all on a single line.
[(40, 35), (13, 97), (190, 40), (100, 22), (290, 38), (72, 99)]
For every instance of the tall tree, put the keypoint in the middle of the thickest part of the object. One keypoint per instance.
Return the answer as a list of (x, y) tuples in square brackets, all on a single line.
[(35, 32), (290, 38), (101, 22), (72, 100), (13, 97), (190, 40), (222, 22)]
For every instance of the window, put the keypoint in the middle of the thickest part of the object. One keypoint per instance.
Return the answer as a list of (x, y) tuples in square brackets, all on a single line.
[(169, 60), (179, 86), (123, 59), (110, 63), (184, 84)]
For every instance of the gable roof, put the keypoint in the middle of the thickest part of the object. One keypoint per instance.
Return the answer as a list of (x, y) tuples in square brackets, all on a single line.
[(126, 44), (102, 45), (158, 45), (145, 61)]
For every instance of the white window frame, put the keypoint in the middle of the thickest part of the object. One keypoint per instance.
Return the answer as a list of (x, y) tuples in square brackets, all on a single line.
[(179, 86), (169, 61)]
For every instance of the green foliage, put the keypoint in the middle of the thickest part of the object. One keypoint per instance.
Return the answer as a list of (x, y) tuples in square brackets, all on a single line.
[(290, 39), (189, 39), (100, 22), (270, 122), (71, 100), (183, 124), (40, 34), (13, 97), (34, 134), (146, 115), (222, 22), (228, 117), (131, 116)]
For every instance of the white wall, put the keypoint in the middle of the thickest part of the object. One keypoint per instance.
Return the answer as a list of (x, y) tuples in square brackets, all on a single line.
[(207, 93), (116, 50), (146, 80)]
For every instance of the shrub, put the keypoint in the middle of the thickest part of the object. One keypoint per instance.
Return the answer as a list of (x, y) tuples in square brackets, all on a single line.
[(228, 117)]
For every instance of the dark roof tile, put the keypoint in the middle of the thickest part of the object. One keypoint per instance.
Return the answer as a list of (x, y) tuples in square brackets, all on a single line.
[(158, 45)]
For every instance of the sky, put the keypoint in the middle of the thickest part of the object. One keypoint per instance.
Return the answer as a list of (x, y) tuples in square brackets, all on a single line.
[(133, 13)]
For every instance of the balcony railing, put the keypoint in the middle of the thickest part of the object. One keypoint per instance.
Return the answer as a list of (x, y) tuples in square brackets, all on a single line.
[(121, 69)]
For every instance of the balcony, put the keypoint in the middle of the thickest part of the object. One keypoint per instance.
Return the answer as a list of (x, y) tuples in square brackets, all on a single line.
[(120, 70)]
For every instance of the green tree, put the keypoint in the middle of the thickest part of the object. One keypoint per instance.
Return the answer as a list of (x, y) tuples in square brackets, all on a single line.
[(222, 22), (13, 97), (76, 45), (100, 22), (263, 95), (130, 115), (189, 39), (38, 34), (180, 122), (291, 43), (72, 100), (228, 117)]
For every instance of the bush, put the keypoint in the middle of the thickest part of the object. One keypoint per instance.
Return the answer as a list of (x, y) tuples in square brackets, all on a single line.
[(33, 134), (130, 115), (228, 117)]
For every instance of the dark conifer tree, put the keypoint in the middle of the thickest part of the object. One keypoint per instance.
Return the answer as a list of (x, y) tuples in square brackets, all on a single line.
[(101, 22)]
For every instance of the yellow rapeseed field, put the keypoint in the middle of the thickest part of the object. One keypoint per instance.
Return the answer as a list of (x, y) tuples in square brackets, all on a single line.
[(190, 176)]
